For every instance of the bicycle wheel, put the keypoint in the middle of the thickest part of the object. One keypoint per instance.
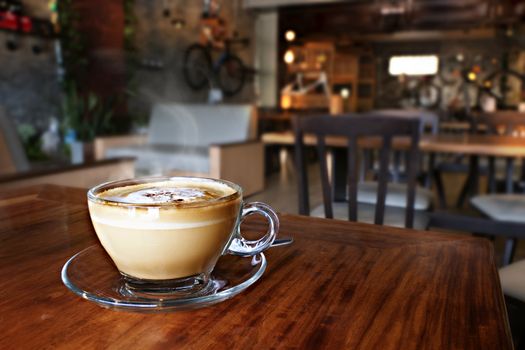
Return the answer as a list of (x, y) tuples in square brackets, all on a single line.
[(197, 66), (428, 95), (506, 86), (450, 72), (231, 75)]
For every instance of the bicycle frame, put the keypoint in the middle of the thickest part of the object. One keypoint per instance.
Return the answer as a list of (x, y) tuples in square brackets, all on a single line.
[(304, 89)]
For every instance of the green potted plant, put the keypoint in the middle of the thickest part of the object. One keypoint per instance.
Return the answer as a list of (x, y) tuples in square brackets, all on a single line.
[(84, 116)]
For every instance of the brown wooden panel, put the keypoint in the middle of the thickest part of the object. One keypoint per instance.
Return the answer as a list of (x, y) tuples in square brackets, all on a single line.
[(241, 163), (84, 175)]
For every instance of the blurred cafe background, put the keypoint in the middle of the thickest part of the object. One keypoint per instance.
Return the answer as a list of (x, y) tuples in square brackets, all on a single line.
[(99, 90)]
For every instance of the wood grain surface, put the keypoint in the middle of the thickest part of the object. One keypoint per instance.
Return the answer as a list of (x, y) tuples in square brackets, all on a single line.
[(482, 145), (339, 285)]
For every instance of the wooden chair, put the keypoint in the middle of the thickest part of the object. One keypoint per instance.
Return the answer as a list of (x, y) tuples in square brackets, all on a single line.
[(495, 205), (509, 123), (428, 121), (456, 165), (512, 275), (352, 128)]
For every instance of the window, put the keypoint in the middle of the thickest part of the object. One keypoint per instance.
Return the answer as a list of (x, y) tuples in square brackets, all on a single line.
[(413, 65)]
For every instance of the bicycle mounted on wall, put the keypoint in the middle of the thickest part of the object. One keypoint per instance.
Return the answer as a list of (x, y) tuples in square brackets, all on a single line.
[(462, 83), (203, 67)]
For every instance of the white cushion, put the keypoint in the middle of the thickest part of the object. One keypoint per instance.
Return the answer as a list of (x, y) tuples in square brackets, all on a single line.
[(503, 207), (179, 136), (366, 213), (513, 280), (163, 159), (396, 195), (200, 124)]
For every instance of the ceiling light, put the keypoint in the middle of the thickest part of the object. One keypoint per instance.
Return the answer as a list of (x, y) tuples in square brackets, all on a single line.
[(289, 35), (413, 65), (289, 57)]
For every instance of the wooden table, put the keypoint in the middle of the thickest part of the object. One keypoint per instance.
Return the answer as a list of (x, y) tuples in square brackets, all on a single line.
[(473, 146), (339, 285), (459, 127), (480, 145)]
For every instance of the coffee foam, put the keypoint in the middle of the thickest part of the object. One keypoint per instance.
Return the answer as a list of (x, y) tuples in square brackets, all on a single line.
[(169, 192)]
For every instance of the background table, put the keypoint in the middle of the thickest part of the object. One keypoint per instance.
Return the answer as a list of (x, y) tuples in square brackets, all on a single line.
[(474, 146), (480, 145), (339, 285)]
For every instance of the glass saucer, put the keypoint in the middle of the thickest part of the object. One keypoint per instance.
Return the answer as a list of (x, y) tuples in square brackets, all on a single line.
[(92, 275)]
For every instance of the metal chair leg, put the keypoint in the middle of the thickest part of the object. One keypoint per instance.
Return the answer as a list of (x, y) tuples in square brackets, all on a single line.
[(509, 251)]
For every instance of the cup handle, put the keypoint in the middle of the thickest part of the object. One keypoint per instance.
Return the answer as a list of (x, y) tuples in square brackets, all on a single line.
[(243, 247)]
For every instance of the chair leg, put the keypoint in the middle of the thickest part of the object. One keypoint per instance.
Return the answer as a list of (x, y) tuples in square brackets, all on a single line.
[(440, 189), (363, 163), (471, 185), (522, 176), (516, 313), (509, 251), (463, 194), (491, 183), (396, 166), (430, 170), (509, 175)]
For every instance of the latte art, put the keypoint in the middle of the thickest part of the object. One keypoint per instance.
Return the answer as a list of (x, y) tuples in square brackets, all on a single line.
[(168, 192), (167, 195)]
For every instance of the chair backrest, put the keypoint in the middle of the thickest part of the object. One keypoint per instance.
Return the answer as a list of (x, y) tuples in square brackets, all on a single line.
[(428, 119), (12, 154), (510, 123), (351, 129), (478, 225)]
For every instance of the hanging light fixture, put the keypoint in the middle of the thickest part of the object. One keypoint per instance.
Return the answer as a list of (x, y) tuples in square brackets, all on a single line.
[(286, 101), (289, 35), (289, 56)]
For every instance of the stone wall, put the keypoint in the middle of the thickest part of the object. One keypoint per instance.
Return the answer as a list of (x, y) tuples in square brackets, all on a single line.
[(157, 39), (29, 88)]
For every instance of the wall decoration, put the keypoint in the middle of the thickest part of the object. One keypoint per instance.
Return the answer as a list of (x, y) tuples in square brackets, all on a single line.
[(15, 22), (470, 79), (174, 13), (211, 63)]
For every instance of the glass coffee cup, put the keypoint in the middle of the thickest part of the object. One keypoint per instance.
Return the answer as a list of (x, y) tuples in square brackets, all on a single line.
[(165, 234)]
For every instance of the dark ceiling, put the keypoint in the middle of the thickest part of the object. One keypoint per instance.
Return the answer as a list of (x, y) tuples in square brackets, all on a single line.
[(381, 16)]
